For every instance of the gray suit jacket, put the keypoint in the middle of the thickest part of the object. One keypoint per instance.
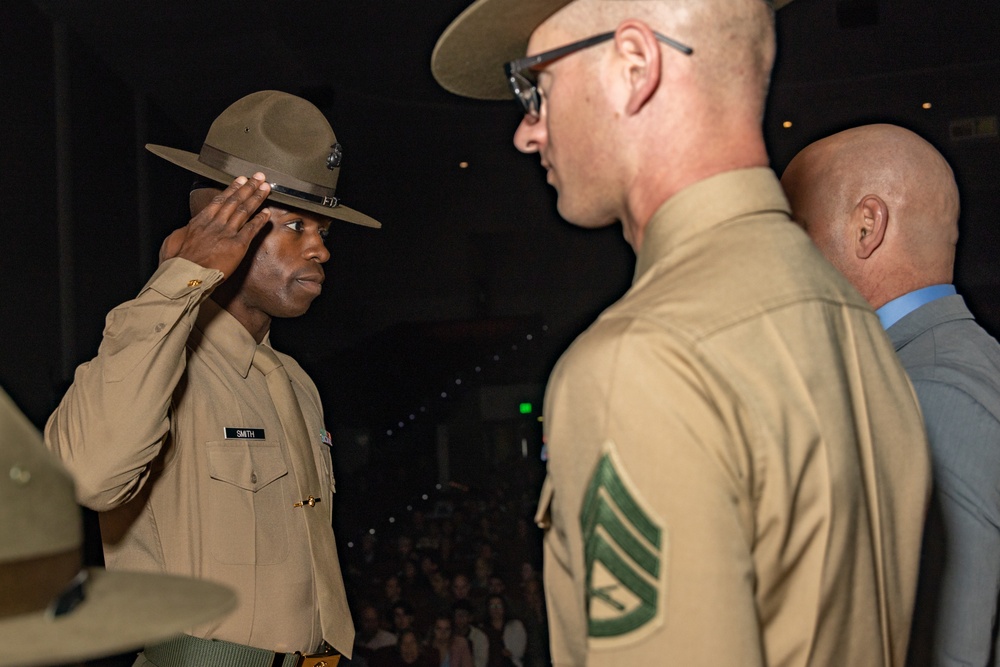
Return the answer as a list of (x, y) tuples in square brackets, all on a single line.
[(955, 368)]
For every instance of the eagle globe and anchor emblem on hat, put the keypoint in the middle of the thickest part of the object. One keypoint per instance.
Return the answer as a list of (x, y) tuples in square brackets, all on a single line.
[(335, 156)]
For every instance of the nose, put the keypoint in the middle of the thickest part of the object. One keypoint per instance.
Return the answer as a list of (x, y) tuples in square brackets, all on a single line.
[(316, 249), (530, 134)]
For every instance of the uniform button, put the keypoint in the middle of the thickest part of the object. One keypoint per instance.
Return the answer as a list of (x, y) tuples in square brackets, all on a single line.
[(253, 478), (159, 327)]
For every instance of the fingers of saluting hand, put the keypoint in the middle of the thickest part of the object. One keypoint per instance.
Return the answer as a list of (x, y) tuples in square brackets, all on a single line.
[(219, 235), (233, 209)]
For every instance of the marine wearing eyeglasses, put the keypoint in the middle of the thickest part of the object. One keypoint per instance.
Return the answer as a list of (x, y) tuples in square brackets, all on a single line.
[(737, 471), (525, 89)]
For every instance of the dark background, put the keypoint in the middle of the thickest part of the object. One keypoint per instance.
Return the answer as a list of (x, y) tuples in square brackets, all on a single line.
[(434, 329)]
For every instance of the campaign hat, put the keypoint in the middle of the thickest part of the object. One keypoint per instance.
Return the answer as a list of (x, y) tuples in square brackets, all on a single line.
[(283, 136), (54, 611), (469, 55)]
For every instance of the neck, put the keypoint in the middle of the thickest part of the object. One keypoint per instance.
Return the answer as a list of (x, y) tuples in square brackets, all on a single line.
[(253, 320), (880, 283), (698, 158)]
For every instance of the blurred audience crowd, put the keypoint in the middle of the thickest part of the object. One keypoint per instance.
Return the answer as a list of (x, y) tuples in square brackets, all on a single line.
[(455, 582)]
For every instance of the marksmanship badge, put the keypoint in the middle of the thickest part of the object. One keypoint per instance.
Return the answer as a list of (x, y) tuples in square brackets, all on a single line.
[(624, 551)]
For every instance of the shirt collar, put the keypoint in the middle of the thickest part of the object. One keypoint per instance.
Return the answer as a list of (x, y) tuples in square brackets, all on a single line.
[(706, 204), (230, 339), (902, 306)]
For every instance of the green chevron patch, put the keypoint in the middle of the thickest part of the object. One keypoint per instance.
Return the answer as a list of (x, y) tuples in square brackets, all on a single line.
[(623, 551)]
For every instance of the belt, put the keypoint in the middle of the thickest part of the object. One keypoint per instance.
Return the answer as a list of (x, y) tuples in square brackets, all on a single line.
[(188, 651)]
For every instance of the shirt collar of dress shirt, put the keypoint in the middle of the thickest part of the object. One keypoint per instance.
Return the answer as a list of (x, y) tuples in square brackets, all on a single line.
[(706, 204), (230, 339), (902, 306)]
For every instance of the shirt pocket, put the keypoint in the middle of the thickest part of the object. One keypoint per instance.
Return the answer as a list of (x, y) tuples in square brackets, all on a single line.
[(245, 502)]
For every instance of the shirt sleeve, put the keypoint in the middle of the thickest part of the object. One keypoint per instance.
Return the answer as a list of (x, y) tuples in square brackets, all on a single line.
[(962, 542), (648, 550), (114, 418)]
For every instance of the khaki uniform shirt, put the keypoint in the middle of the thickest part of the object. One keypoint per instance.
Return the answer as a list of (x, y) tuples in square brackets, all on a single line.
[(172, 435), (737, 467)]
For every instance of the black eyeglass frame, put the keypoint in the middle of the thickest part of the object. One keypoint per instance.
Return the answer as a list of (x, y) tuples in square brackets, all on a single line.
[(526, 92)]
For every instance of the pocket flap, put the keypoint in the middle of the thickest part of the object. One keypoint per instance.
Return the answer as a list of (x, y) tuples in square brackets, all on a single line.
[(250, 467)]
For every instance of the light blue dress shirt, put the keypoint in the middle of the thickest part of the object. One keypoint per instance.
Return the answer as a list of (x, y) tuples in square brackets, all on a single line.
[(902, 306)]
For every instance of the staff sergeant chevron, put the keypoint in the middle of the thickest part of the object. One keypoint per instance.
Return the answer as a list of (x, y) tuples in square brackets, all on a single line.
[(624, 552)]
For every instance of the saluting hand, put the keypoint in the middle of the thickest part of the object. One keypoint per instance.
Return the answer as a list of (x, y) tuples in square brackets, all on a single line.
[(219, 235)]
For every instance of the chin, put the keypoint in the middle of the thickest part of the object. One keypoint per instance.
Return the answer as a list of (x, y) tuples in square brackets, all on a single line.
[(574, 210), (567, 213), (585, 219)]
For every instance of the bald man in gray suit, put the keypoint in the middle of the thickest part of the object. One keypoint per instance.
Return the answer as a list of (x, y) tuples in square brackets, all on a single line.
[(882, 204)]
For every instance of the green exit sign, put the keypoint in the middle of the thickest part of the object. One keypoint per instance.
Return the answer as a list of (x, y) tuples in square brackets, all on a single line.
[(525, 408)]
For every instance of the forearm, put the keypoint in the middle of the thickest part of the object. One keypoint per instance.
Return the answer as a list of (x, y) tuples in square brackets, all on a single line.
[(113, 420)]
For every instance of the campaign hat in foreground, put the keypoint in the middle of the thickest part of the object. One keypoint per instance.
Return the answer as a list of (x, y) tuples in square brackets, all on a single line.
[(52, 610)]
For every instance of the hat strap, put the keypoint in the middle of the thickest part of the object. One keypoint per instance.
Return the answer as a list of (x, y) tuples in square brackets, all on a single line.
[(329, 202), (279, 181)]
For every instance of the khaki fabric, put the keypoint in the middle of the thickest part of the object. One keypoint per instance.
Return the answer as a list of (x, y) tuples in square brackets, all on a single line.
[(737, 470), (144, 431), (312, 491)]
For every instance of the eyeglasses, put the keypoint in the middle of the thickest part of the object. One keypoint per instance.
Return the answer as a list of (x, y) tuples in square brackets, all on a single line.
[(526, 92)]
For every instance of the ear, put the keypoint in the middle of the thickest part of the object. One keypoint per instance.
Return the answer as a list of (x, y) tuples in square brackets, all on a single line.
[(640, 51), (874, 217)]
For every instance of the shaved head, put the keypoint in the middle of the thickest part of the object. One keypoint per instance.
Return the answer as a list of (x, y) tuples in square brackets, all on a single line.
[(882, 204), (657, 120), (733, 39)]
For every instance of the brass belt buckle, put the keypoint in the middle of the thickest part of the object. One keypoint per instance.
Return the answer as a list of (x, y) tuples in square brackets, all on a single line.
[(327, 657)]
